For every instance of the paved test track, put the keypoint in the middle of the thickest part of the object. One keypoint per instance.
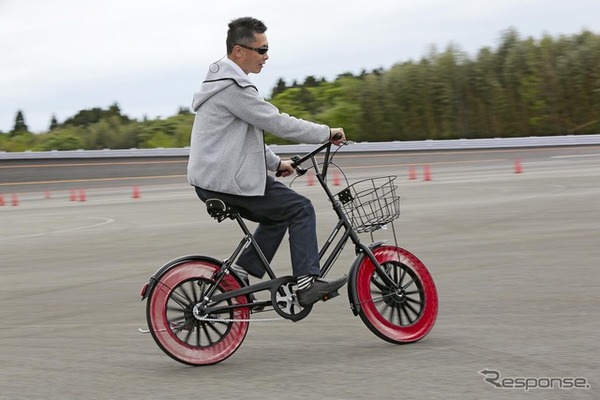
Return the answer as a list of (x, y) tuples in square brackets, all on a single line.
[(515, 258)]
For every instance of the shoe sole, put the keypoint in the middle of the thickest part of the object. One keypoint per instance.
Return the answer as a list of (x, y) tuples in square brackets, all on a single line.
[(321, 295)]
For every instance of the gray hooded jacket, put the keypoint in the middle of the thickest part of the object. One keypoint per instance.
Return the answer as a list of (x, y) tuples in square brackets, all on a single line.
[(227, 150)]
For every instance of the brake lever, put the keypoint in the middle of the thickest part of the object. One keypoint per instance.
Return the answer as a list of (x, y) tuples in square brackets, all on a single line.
[(299, 171)]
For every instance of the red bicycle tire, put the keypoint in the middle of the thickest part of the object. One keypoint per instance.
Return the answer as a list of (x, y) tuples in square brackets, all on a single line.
[(168, 338), (371, 294)]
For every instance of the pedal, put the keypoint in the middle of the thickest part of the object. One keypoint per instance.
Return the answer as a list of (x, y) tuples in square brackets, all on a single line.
[(330, 295)]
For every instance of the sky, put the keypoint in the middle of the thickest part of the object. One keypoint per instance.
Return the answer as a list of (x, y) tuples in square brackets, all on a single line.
[(58, 57)]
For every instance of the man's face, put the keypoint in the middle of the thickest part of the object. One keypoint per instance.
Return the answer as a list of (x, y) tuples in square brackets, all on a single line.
[(250, 60)]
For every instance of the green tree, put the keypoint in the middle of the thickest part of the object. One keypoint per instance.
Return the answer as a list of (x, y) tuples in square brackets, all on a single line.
[(53, 123), (310, 81), (20, 127), (61, 139), (22, 142), (280, 87), (93, 115)]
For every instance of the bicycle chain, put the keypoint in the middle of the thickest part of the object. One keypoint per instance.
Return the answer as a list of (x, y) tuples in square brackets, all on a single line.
[(241, 319), (204, 319)]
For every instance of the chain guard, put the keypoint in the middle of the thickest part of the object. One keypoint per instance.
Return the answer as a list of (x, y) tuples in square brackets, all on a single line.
[(285, 303)]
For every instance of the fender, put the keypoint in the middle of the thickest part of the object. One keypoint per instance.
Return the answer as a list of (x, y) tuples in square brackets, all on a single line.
[(148, 287), (352, 297)]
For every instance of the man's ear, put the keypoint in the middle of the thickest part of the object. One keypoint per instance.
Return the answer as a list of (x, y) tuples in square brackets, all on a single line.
[(237, 52)]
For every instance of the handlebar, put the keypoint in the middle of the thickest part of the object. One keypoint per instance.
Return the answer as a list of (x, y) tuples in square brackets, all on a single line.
[(298, 160)]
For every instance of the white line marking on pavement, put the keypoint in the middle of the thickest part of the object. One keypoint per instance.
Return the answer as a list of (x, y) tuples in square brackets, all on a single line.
[(105, 221)]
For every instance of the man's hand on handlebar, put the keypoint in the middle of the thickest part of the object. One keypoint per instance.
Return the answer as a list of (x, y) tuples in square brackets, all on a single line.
[(288, 167), (285, 168), (337, 136)]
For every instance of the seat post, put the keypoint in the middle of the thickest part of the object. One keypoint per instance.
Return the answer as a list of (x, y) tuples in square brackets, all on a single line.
[(242, 224)]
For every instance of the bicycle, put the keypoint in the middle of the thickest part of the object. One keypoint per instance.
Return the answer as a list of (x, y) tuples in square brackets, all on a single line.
[(198, 309)]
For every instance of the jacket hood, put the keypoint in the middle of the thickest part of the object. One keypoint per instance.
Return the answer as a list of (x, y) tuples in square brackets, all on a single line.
[(220, 76)]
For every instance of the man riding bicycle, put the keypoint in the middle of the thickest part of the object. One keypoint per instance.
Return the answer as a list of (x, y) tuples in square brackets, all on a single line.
[(230, 161)]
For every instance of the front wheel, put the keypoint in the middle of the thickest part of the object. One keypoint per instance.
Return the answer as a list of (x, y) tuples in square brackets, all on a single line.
[(176, 329), (402, 315)]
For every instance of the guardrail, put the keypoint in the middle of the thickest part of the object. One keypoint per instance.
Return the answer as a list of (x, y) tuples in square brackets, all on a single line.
[(417, 145)]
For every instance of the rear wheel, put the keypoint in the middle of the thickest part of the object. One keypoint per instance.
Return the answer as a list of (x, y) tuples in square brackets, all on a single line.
[(401, 315), (175, 327)]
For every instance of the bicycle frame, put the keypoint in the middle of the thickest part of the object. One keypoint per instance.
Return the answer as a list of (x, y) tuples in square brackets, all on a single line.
[(274, 282)]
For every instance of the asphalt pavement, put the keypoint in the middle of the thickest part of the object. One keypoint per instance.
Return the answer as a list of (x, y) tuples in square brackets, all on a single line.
[(511, 238)]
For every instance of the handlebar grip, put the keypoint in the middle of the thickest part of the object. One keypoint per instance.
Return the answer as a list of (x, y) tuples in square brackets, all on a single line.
[(299, 171)]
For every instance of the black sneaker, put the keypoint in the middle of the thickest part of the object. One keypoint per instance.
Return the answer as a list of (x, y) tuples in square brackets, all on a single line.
[(320, 290)]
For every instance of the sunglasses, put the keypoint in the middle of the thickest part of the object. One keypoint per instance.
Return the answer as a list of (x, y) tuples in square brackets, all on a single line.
[(259, 50)]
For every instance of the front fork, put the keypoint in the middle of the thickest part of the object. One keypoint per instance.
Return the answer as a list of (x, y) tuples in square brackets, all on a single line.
[(362, 252)]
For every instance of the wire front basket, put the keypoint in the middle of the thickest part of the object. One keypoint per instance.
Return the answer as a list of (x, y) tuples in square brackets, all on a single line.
[(370, 204)]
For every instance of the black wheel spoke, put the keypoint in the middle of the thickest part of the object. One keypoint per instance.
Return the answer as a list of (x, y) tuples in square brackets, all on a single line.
[(406, 314), (199, 330), (377, 296), (395, 273), (205, 327), (203, 289), (400, 316), (376, 300), (402, 275), (187, 336), (179, 299), (186, 294), (195, 292), (418, 302), (411, 308), (391, 313), (171, 308), (408, 284)]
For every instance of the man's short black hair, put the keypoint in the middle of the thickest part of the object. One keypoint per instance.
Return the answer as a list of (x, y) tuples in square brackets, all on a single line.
[(242, 30)]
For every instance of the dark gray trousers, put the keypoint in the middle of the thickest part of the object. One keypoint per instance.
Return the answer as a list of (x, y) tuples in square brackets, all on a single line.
[(281, 209)]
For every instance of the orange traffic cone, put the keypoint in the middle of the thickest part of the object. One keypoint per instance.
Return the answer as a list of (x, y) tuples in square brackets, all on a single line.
[(1, 200), (15, 199), (427, 173), (82, 196), (72, 195), (135, 193), (412, 173), (518, 166), (311, 179), (336, 178)]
